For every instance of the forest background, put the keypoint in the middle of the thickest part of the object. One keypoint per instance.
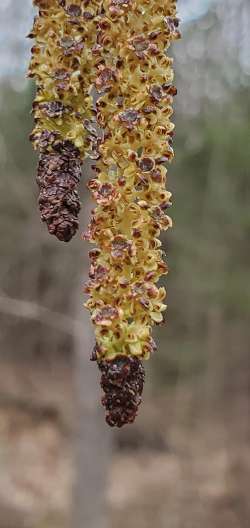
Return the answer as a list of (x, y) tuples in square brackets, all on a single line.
[(186, 461)]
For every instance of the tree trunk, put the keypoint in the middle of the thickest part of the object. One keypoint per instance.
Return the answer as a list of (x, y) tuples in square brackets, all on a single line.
[(93, 439)]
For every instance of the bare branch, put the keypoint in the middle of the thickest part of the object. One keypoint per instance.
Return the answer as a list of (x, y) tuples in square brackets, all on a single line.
[(30, 310)]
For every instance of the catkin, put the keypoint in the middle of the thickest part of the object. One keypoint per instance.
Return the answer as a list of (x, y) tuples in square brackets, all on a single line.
[(61, 64), (134, 78), (119, 49)]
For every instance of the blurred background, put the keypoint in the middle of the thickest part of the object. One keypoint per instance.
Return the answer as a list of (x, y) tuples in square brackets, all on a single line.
[(185, 463)]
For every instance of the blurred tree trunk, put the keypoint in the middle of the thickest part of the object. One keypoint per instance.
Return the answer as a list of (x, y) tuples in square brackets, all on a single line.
[(92, 437)]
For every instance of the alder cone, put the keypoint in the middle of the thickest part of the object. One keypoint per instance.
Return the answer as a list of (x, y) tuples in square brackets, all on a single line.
[(122, 382), (58, 175)]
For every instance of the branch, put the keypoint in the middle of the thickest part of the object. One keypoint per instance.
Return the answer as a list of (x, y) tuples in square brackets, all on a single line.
[(36, 312)]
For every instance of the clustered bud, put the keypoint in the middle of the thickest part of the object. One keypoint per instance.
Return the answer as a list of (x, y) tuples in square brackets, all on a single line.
[(134, 79), (61, 64)]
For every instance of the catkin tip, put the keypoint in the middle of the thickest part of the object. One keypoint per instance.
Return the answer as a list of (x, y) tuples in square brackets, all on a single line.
[(122, 381)]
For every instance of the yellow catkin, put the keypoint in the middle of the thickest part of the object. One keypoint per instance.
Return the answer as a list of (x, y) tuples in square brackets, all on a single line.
[(62, 65), (130, 186), (134, 76), (118, 47)]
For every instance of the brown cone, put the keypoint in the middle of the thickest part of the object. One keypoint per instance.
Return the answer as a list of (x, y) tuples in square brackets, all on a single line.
[(59, 173), (122, 382)]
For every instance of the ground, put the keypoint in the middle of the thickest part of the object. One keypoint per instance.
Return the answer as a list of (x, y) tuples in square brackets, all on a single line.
[(182, 465)]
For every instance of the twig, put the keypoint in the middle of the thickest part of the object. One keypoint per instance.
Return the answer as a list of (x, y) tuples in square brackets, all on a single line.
[(31, 310)]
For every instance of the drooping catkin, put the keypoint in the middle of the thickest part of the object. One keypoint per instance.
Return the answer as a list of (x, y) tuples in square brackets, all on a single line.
[(61, 64), (134, 77), (119, 47)]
